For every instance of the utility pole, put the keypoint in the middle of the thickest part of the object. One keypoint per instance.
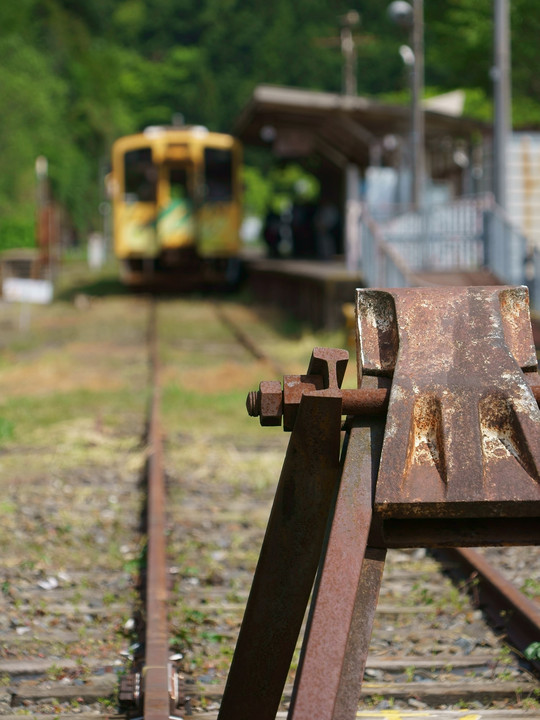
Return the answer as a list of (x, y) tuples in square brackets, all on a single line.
[(502, 121), (418, 125), (348, 48), (347, 42), (412, 18)]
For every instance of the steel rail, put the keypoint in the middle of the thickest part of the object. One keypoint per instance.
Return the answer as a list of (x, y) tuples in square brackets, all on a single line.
[(155, 673), (246, 342), (503, 602)]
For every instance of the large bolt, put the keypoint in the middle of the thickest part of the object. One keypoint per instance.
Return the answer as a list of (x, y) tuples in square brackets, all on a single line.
[(270, 403)]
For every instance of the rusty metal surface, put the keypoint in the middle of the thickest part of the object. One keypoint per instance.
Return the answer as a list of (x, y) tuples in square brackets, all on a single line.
[(337, 638), (465, 532), (367, 402), (155, 673), (288, 561), (462, 435), (271, 402), (294, 387), (455, 463), (330, 364), (507, 606), (364, 402)]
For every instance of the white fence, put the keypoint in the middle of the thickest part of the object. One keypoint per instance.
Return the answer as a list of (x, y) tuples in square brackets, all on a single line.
[(468, 234)]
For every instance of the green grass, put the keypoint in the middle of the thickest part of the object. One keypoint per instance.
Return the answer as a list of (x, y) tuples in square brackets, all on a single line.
[(219, 414), (31, 416)]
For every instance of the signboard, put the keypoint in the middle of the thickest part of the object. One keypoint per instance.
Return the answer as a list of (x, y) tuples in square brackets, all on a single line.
[(26, 290)]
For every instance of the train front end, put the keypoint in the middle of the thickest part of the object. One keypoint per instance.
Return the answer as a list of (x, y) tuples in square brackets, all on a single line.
[(176, 200)]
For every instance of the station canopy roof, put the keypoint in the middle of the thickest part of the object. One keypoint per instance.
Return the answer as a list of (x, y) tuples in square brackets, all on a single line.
[(343, 128)]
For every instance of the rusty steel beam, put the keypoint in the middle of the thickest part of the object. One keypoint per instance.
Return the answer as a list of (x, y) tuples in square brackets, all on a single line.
[(465, 532), (268, 402), (289, 558), (338, 633), (155, 673), (287, 564), (503, 602), (369, 402)]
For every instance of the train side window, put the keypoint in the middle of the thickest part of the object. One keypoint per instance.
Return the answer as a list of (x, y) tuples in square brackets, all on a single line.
[(218, 175), (140, 176)]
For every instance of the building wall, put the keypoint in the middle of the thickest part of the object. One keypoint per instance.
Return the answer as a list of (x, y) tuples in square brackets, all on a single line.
[(523, 184)]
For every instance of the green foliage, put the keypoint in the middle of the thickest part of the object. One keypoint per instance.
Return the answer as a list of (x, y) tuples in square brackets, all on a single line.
[(75, 76), (532, 652), (531, 587), (277, 189), (17, 233), (257, 191), (33, 101), (7, 429), (478, 104)]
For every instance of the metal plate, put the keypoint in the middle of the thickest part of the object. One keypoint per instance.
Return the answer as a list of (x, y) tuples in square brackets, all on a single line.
[(462, 437)]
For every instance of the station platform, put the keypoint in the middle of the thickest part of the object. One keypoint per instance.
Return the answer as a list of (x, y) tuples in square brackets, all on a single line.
[(322, 293), (313, 291)]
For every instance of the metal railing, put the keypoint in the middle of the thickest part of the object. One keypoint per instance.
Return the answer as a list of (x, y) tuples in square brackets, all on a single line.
[(534, 283), (382, 265), (466, 235), (505, 247), (442, 237)]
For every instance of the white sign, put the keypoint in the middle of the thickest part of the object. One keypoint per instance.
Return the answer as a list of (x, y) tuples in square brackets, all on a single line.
[(26, 290)]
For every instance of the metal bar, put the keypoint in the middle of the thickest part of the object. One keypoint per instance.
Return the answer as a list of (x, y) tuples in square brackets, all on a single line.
[(462, 427), (506, 605), (288, 562), (358, 641), (155, 672), (463, 532), (369, 402), (365, 402), (343, 608)]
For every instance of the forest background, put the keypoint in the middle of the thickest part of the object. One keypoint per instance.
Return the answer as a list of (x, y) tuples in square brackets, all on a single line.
[(76, 74)]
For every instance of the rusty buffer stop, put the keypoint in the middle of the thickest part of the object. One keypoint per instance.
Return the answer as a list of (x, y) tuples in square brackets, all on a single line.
[(441, 448)]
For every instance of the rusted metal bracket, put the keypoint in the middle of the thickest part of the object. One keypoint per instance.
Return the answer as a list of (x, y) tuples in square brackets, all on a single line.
[(443, 450)]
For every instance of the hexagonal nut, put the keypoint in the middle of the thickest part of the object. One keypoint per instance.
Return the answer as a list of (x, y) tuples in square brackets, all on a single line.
[(294, 386), (271, 403)]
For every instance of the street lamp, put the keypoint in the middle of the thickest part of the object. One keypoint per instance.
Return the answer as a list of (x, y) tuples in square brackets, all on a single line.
[(412, 19)]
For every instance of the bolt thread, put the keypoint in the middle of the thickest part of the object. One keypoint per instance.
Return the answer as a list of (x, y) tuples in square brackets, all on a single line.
[(253, 404)]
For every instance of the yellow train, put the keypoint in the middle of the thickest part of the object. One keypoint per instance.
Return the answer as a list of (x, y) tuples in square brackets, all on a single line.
[(176, 196)]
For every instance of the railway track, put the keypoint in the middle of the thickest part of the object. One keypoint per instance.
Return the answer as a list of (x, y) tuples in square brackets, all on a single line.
[(71, 597)]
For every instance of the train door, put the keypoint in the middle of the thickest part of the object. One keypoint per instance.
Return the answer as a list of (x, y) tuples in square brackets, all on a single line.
[(176, 224), (137, 206), (219, 212)]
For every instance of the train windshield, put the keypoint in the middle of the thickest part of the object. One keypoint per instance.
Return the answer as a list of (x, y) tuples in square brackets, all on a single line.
[(140, 176), (178, 180), (218, 171)]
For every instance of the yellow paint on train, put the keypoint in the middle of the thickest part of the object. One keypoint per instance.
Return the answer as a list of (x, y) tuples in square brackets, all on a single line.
[(176, 189)]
